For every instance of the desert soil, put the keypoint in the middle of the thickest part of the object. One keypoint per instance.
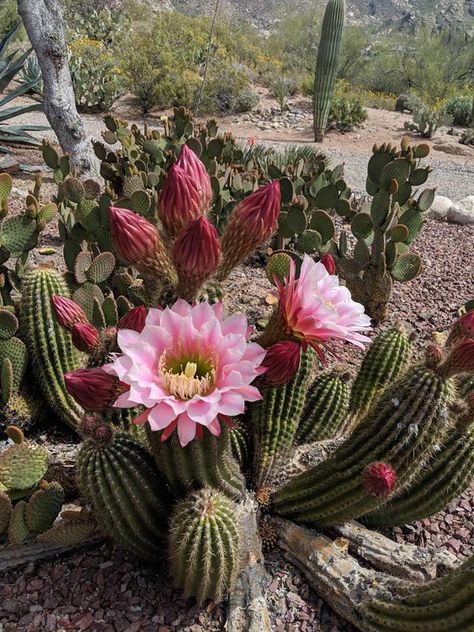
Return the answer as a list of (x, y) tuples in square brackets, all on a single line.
[(105, 589)]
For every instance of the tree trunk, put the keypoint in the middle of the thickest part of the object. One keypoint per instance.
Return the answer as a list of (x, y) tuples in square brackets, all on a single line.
[(44, 24)]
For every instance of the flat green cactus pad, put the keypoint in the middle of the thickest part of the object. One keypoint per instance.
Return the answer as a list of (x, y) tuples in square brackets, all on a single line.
[(23, 465)]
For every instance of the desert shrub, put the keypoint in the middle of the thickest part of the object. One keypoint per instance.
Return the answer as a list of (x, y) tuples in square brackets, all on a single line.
[(103, 25), (281, 88), (459, 109), (346, 112), (8, 16), (96, 78), (427, 118), (378, 100), (228, 90)]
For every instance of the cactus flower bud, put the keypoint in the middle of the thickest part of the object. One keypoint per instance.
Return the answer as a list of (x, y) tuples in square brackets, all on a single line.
[(179, 201), (463, 329), (329, 263), (195, 168), (459, 360), (282, 361), (93, 389), (251, 223), (67, 311), (139, 243), (379, 479), (134, 319), (85, 337), (196, 253)]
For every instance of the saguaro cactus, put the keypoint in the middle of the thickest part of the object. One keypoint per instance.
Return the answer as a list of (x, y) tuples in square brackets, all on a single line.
[(326, 64)]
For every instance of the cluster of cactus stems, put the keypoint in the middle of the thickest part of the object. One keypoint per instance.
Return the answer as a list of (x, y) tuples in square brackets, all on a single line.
[(147, 240)]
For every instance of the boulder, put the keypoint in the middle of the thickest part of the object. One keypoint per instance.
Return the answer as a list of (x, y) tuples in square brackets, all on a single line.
[(462, 212), (440, 207)]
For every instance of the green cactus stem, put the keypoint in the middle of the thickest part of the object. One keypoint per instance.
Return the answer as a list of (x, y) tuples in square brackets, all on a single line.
[(446, 605), (51, 348), (207, 461), (327, 64), (43, 507), (276, 417), (400, 431), (204, 545), (325, 407), (384, 361), (128, 494)]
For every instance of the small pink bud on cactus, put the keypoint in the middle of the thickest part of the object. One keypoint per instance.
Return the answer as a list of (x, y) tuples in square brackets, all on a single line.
[(329, 263), (463, 329), (379, 479), (93, 389), (251, 223), (459, 360), (180, 201), (195, 168), (138, 243), (134, 319), (86, 337), (282, 361), (433, 355), (67, 311)]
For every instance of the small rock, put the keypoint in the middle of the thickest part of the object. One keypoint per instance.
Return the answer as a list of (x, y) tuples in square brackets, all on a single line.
[(459, 215), (440, 207)]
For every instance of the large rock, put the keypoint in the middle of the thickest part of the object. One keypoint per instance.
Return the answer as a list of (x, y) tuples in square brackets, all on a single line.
[(440, 207), (462, 212)]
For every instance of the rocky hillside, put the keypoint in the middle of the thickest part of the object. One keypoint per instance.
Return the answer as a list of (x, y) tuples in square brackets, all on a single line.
[(392, 14)]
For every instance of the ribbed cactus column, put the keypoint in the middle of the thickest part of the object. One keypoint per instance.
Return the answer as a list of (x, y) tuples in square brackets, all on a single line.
[(204, 545), (275, 419), (446, 605), (207, 461), (327, 64), (396, 436), (51, 348), (128, 493)]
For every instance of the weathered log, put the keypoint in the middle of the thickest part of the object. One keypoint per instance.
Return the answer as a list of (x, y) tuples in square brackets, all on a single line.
[(403, 560), (247, 607)]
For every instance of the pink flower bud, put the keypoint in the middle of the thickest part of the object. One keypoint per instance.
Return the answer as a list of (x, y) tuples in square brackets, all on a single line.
[(251, 223), (196, 250), (195, 168), (85, 337), (134, 319), (379, 479), (179, 201), (329, 263), (134, 237), (459, 360), (93, 389), (67, 311), (463, 329), (282, 361), (433, 355)]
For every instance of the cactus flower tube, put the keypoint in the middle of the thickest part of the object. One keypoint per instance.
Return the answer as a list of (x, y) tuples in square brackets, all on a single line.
[(329, 263), (194, 168), (251, 223), (196, 253), (86, 337), (93, 389), (282, 361), (463, 329), (134, 319), (180, 200), (189, 368), (139, 243), (67, 311)]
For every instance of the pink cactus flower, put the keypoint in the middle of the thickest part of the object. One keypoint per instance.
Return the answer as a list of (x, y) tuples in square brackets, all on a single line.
[(463, 329), (194, 168), (329, 263), (190, 367), (67, 311), (459, 360), (316, 308), (379, 479), (179, 201), (282, 361), (93, 389), (86, 337), (134, 319)]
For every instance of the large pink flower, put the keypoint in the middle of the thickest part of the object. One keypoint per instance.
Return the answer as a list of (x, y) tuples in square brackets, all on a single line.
[(188, 366), (316, 308)]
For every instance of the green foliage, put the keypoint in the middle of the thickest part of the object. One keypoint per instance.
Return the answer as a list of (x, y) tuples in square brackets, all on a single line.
[(346, 113), (459, 109), (8, 17), (30, 75), (426, 118), (281, 88), (228, 89)]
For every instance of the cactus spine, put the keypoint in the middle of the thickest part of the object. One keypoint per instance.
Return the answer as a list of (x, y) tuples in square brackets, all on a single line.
[(128, 494), (276, 418), (51, 347), (446, 605), (327, 64), (205, 462), (383, 363), (325, 407), (399, 430), (204, 545)]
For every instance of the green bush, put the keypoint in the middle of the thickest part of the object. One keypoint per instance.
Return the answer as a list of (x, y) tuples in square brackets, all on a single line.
[(459, 109), (346, 113), (228, 89), (281, 88), (8, 16)]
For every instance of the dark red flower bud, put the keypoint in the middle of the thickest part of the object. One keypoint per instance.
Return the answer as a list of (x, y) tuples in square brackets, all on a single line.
[(134, 319), (67, 311), (85, 337), (180, 201), (93, 389), (329, 263), (195, 168), (282, 361), (379, 479)]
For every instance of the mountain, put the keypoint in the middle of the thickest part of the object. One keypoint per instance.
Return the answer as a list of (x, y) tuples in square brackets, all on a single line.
[(382, 14)]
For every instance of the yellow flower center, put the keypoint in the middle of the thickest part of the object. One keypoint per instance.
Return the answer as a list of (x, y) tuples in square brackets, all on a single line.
[(186, 377)]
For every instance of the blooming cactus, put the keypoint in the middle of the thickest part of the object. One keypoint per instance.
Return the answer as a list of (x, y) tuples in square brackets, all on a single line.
[(188, 367)]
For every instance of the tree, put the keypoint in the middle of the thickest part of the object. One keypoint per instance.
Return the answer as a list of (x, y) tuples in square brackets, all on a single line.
[(44, 25)]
